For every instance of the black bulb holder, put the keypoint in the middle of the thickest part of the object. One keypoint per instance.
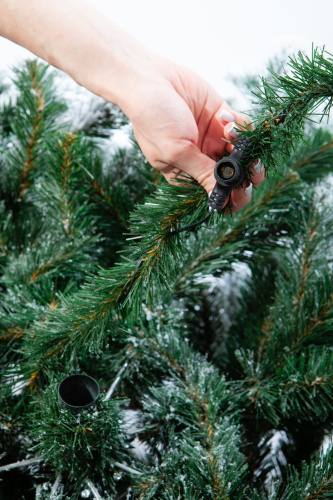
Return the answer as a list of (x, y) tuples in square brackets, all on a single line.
[(78, 392), (229, 173)]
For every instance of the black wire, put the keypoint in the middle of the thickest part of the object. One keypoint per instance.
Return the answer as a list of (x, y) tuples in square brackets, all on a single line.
[(191, 227)]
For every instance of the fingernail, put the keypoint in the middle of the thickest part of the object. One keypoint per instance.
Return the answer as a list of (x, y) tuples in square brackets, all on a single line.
[(258, 167), (227, 116), (234, 131), (248, 190)]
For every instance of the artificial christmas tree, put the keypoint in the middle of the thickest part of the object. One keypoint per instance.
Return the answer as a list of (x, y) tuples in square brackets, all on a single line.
[(212, 348)]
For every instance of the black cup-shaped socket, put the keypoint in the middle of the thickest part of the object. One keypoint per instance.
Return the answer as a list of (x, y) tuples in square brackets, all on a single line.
[(78, 392), (229, 172)]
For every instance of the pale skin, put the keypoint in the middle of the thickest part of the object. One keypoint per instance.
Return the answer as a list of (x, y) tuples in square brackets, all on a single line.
[(175, 114)]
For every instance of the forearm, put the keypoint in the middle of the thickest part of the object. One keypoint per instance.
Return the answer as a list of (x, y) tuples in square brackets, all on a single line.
[(76, 38)]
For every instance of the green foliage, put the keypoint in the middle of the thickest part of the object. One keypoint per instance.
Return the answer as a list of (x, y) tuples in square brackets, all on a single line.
[(77, 446), (286, 100), (34, 117), (190, 467)]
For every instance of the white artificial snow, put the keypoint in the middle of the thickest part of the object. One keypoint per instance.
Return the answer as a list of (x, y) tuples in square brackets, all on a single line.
[(275, 456)]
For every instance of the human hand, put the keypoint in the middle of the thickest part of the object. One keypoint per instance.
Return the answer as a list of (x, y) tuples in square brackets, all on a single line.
[(175, 113), (180, 122)]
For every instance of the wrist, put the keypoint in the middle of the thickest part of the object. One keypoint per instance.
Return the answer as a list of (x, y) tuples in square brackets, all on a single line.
[(124, 71)]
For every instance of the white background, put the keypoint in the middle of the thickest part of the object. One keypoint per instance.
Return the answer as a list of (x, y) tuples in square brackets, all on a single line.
[(216, 38)]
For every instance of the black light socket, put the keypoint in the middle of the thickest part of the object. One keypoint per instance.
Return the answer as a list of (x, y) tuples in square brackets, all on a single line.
[(78, 392), (229, 172)]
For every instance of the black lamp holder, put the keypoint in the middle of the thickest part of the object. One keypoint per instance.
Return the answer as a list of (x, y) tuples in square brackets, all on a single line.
[(78, 392), (229, 173)]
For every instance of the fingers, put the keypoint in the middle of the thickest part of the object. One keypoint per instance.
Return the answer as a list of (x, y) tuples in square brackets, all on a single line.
[(242, 195), (233, 122), (224, 124), (258, 173)]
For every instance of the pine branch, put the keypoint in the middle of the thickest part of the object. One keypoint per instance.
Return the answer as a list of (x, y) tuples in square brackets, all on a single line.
[(85, 317), (306, 386), (244, 237), (285, 101), (112, 183), (304, 287), (189, 412), (35, 116), (313, 161), (315, 482)]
